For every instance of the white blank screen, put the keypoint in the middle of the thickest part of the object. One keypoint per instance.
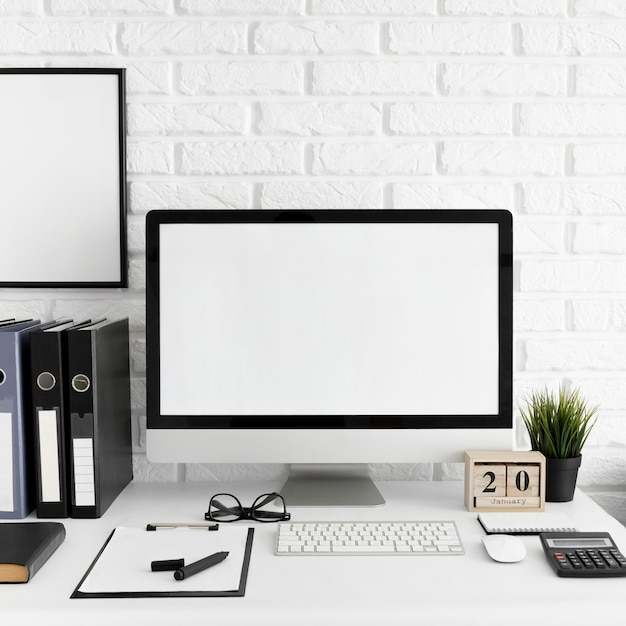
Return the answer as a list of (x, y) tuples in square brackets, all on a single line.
[(329, 319)]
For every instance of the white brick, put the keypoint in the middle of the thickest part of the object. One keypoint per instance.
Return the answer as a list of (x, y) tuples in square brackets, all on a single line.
[(138, 403), (608, 238), (574, 199), (139, 437), (138, 353), (600, 8), (609, 393), (450, 38), (523, 388), (601, 80), (322, 195), (401, 471), (542, 355), (373, 77), (167, 37), (504, 79), (150, 158), (600, 159), (242, 7), (22, 309), (242, 77), (320, 118), (610, 429), (451, 196), (506, 8), (611, 500), (146, 472), (57, 38), (374, 7), (577, 276), (373, 159), (598, 315), (538, 315), (606, 468), (137, 274), (583, 39), (316, 38), (538, 237), (132, 307), (108, 8), (499, 158), (590, 315), (243, 157), (16, 8), (149, 78), (450, 119), (168, 119), (135, 230), (146, 196), (210, 472), (572, 119)]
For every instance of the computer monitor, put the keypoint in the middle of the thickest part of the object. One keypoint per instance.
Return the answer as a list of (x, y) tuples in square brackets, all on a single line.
[(328, 340)]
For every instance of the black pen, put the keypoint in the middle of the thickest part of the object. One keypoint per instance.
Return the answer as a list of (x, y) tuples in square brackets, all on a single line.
[(199, 566)]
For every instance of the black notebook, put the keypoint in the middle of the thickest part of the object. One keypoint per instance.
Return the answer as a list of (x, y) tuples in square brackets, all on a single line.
[(25, 547)]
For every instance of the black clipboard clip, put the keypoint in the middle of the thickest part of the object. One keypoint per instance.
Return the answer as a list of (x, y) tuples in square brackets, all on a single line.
[(186, 525)]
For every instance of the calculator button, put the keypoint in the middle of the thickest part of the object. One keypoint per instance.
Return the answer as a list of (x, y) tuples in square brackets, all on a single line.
[(573, 559), (584, 559), (619, 557), (610, 561)]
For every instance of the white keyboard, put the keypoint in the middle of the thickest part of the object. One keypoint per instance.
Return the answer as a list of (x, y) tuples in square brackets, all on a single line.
[(368, 538)]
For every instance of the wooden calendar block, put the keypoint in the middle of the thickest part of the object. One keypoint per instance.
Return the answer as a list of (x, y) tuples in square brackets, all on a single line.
[(522, 480), (490, 480), (505, 481)]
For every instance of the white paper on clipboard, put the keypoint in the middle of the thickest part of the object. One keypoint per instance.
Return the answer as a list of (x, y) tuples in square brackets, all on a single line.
[(124, 564)]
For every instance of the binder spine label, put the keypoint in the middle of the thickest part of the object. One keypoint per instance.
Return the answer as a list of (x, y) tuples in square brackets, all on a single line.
[(6, 462), (49, 455), (84, 476)]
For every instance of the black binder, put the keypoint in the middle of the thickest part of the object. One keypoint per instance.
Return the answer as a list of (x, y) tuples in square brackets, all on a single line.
[(99, 407), (48, 351)]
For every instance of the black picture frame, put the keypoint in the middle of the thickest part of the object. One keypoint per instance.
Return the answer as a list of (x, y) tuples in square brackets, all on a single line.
[(63, 177)]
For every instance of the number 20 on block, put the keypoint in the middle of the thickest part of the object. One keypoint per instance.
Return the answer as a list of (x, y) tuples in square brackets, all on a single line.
[(504, 481)]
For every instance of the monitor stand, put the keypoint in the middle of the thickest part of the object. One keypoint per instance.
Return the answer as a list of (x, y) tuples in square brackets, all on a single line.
[(330, 485)]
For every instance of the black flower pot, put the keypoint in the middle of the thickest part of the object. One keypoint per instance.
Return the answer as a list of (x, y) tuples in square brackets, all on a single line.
[(561, 475)]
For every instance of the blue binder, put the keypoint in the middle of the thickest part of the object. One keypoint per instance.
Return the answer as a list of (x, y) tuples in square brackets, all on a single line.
[(16, 476)]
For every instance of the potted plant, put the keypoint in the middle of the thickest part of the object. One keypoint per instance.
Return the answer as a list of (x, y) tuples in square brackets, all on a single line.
[(558, 426)]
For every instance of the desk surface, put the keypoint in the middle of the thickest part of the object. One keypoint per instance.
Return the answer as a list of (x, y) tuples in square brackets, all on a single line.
[(470, 589)]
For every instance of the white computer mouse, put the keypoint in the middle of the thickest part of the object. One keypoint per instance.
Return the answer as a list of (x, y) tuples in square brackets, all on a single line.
[(504, 548)]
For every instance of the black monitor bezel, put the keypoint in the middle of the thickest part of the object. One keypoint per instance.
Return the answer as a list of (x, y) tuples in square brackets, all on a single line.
[(503, 419)]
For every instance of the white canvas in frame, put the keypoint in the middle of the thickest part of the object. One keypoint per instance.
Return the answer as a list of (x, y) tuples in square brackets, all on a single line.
[(62, 175)]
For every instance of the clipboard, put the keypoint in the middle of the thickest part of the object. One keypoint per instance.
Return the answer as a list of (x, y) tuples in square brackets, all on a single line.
[(108, 576)]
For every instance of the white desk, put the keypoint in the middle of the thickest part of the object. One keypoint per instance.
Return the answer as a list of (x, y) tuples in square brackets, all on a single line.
[(465, 590)]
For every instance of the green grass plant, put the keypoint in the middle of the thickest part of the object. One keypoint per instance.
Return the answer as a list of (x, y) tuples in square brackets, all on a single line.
[(558, 423)]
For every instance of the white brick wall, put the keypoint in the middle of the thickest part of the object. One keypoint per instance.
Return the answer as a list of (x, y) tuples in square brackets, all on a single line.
[(377, 103)]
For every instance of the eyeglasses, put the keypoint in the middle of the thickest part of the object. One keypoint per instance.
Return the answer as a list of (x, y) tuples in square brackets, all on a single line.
[(269, 507)]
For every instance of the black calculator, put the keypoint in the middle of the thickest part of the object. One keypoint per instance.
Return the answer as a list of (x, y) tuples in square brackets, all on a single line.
[(581, 555)]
